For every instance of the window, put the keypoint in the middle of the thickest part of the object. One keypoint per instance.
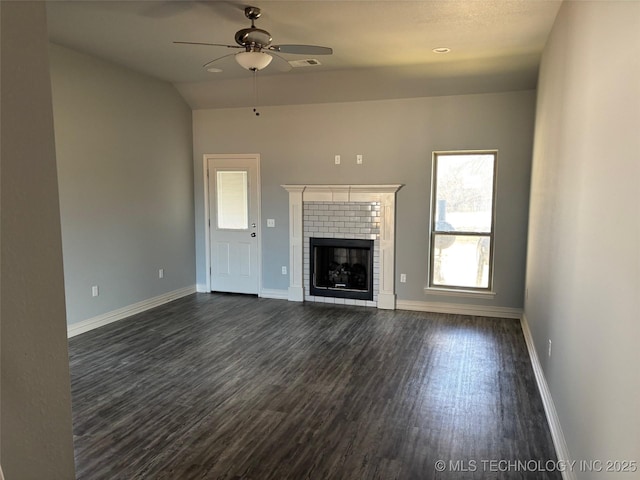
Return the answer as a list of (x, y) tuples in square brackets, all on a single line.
[(233, 203), (462, 218)]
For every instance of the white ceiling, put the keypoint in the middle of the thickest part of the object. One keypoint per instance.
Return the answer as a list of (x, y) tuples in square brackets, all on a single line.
[(382, 49)]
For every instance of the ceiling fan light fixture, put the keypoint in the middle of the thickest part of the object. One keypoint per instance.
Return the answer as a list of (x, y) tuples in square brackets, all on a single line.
[(253, 60)]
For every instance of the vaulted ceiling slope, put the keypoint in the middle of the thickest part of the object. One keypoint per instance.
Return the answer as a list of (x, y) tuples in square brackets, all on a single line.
[(382, 49)]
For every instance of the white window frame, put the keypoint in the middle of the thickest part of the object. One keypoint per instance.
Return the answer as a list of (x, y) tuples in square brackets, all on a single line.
[(433, 231)]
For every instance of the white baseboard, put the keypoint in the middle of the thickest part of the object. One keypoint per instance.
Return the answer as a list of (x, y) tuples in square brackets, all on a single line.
[(459, 309), (115, 315), (202, 288), (559, 442), (273, 293)]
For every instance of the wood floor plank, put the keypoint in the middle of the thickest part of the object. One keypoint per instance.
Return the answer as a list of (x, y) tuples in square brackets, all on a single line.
[(216, 386)]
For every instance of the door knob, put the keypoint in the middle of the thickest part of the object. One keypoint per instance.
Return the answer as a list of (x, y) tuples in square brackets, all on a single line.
[(253, 234)]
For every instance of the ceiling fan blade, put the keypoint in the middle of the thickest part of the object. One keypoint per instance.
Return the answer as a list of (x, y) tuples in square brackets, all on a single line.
[(282, 64), (209, 44), (210, 64), (302, 49)]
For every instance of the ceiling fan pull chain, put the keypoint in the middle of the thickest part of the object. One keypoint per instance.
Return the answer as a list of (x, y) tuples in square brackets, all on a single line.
[(255, 93)]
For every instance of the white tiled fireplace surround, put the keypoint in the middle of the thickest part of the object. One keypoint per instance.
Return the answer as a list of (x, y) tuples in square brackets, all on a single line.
[(343, 211), (353, 220)]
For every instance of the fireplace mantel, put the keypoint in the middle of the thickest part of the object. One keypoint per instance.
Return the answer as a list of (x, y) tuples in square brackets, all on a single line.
[(385, 194)]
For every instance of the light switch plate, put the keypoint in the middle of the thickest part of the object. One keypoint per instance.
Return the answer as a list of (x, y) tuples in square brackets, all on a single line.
[(271, 222)]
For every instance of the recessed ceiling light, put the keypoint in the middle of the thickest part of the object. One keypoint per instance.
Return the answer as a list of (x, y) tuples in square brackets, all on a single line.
[(214, 70), (441, 50)]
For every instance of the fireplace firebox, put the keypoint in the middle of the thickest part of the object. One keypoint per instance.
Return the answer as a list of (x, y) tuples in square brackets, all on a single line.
[(341, 268)]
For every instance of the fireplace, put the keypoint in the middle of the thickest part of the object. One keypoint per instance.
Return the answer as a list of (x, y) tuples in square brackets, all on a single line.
[(341, 268), (360, 212)]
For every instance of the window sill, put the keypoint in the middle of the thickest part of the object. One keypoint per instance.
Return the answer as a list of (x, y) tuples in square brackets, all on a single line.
[(459, 293)]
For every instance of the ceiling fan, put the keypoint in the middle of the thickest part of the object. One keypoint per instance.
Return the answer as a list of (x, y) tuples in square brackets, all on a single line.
[(255, 43)]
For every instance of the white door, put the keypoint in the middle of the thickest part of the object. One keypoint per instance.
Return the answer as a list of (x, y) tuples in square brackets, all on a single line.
[(234, 223)]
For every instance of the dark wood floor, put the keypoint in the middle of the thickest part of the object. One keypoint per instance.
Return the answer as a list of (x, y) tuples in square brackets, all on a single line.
[(218, 386)]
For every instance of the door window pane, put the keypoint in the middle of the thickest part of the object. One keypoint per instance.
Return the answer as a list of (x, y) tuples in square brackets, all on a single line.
[(233, 201)]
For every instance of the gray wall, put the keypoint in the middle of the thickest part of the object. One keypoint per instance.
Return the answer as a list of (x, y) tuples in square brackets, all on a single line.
[(36, 438), (583, 267), (124, 148), (297, 144)]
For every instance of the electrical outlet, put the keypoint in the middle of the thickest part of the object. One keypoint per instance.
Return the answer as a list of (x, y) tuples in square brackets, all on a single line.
[(337, 159), (94, 291), (403, 278), (549, 347), (284, 270), (359, 159), (161, 273)]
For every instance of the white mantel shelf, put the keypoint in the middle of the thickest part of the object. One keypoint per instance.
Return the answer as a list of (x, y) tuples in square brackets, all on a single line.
[(342, 193), (385, 194)]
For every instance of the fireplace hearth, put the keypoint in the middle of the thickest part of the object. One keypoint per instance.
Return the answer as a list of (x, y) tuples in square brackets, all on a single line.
[(341, 268)]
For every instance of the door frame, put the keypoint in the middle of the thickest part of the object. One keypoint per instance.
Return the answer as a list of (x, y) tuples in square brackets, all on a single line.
[(207, 214)]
